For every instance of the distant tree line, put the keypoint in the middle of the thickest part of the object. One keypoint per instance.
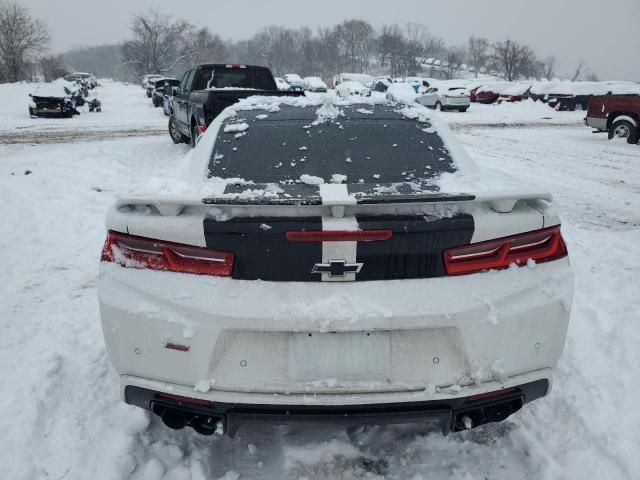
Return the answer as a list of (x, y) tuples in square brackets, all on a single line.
[(163, 44), (166, 45)]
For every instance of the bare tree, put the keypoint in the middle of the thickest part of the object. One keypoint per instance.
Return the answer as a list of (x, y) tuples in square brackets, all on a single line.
[(392, 47), (54, 66), (549, 67), (277, 47), (478, 52), (157, 42), (514, 60), (455, 58), (579, 69), (202, 46), (356, 39), (415, 36), (326, 48), (22, 38)]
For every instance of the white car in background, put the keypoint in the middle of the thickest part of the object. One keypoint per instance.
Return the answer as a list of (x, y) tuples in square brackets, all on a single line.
[(362, 78), (314, 84), (295, 81), (346, 89), (282, 84), (384, 279), (446, 97)]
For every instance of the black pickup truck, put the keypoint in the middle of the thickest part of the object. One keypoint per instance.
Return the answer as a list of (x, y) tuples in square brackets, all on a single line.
[(206, 90)]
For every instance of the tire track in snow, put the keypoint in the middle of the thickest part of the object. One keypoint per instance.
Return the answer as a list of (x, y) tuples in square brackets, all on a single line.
[(40, 137)]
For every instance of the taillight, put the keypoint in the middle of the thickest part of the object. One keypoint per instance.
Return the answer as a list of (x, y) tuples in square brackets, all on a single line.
[(139, 252), (540, 246), (339, 236)]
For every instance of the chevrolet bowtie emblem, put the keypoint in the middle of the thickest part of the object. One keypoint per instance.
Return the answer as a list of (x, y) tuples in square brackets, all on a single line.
[(337, 268)]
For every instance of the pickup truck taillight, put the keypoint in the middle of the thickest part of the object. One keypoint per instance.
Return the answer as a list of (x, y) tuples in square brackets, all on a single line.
[(139, 252), (539, 246)]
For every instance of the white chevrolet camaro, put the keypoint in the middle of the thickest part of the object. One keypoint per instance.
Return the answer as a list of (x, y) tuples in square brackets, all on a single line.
[(338, 262)]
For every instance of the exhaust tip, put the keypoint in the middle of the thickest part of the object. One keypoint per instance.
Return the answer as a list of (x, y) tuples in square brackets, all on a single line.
[(205, 425), (174, 420)]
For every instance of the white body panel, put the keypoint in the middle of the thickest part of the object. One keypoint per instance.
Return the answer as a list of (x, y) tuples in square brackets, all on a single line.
[(356, 341)]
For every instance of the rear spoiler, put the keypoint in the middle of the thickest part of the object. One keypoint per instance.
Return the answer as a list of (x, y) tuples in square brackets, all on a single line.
[(501, 202)]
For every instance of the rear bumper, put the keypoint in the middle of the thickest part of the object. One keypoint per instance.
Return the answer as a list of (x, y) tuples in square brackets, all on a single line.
[(445, 415), (456, 104), (597, 123), (347, 343)]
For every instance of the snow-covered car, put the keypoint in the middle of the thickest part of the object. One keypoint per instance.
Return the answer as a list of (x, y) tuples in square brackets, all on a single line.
[(56, 99), (490, 92), (401, 92), (161, 88), (89, 78), (446, 97), (362, 78), (338, 262), (148, 78), (516, 93), (381, 84), (314, 84), (282, 84), (59, 98), (571, 96), (346, 89), (295, 81)]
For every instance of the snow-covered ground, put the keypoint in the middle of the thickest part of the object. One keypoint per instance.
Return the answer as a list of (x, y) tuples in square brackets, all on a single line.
[(62, 416), (123, 107)]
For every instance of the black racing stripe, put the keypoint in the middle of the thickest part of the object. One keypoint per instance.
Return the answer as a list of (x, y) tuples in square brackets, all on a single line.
[(261, 249), (415, 250)]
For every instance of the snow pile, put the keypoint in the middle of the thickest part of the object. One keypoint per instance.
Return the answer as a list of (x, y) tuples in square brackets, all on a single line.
[(516, 114), (401, 92), (328, 111), (311, 180), (236, 127)]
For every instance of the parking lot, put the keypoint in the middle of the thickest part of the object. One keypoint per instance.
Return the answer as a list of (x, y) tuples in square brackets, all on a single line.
[(57, 178)]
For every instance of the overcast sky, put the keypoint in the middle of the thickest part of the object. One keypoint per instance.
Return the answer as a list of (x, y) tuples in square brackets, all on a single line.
[(603, 32)]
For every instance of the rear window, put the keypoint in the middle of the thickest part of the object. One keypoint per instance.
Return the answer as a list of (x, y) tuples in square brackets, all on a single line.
[(220, 77), (368, 144)]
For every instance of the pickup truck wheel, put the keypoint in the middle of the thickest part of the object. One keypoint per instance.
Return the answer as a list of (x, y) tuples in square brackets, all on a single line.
[(622, 129), (174, 133), (579, 107)]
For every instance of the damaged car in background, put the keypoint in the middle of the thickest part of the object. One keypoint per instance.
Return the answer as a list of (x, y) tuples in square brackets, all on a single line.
[(334, 261), (61, 99)]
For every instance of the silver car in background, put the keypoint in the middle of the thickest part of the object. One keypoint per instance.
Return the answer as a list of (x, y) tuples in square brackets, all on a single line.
[(446, 97)]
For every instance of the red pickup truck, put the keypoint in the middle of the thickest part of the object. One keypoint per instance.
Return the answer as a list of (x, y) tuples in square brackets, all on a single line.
[(619, 115)]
